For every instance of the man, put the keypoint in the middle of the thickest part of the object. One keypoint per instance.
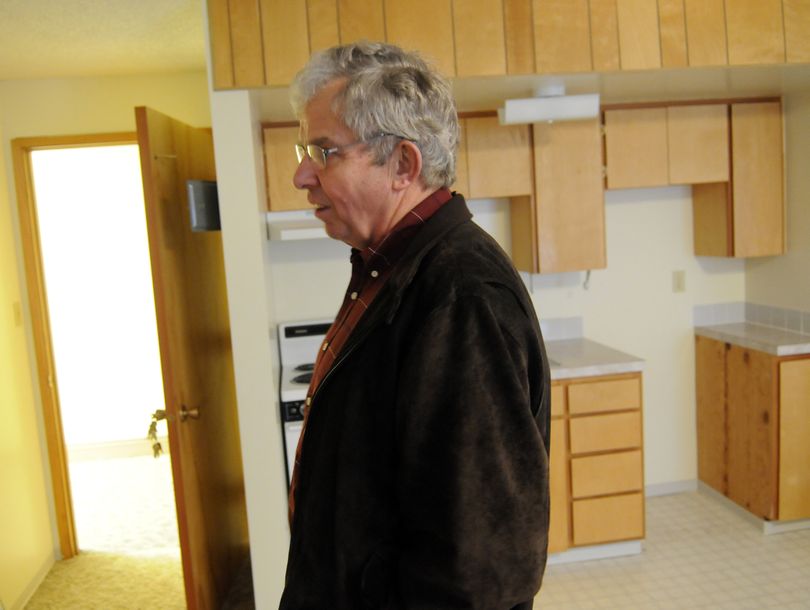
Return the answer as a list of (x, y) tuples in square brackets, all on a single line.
[(422, 474)]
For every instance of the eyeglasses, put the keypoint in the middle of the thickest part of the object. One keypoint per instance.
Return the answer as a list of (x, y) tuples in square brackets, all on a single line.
[(319, 155)]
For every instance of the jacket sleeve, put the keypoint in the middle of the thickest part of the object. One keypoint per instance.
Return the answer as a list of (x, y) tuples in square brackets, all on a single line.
[(472, 475)]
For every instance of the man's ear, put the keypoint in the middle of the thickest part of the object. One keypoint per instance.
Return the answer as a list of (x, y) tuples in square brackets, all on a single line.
[(407, 164)]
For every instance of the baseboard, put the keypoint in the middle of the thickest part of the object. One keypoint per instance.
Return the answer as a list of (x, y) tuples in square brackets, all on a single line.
[(768, 527), (32, 587), (671, 487), (597, 551), (115, 449)]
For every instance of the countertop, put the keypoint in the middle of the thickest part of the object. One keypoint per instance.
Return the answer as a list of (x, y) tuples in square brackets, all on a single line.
[(776, 341), (585, 358)]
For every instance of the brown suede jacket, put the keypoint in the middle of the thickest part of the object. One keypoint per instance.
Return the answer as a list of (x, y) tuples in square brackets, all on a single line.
[(424, 472)]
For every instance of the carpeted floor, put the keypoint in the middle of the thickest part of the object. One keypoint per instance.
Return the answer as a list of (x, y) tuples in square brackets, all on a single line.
[(127, 530)]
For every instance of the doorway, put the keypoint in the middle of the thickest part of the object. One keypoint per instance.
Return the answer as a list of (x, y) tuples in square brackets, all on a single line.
[(94, 263)]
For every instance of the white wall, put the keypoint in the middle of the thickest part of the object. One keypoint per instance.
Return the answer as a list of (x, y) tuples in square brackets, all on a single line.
[(783, 281)]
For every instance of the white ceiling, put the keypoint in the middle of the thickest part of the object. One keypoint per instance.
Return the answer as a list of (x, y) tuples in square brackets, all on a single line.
[(65, 38)]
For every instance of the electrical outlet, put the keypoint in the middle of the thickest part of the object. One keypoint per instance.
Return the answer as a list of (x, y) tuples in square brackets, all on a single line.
[(678, 281)]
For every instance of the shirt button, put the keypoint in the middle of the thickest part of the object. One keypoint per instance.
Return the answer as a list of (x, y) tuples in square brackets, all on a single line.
[(309, 400), (353, 296), (325, 345), (375, 273)]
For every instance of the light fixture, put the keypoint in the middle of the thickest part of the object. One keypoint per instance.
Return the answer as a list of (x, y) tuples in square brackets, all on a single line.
[(549, 104)]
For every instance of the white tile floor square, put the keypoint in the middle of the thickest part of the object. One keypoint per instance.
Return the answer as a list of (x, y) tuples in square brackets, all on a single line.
[(699, 553)]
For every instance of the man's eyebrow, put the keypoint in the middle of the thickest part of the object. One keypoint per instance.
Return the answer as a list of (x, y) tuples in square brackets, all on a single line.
[(323, 142)]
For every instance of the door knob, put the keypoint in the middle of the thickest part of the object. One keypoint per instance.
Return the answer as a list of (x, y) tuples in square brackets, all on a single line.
[(188, 413)]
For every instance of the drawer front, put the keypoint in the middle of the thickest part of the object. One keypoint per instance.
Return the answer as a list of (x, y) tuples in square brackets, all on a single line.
[(608, 519), (611, 473), (607, 395), (557, 400), (606, 432)]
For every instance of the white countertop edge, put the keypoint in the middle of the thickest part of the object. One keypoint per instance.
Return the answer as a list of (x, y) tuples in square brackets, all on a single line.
[(726, 333), (596, 370)]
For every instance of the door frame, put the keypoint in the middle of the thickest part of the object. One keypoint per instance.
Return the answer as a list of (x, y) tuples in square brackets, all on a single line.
[(21, 149)]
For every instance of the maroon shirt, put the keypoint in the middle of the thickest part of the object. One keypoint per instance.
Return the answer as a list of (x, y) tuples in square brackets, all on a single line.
[(371, 268)]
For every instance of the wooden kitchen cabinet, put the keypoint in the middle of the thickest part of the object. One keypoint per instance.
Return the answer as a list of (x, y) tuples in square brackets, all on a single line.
[(596, 469), (639, 34), (745, 217), (426, 25), (706, 32), (480, 46), (753, 418), (698, 144), (499, 158), (280, 164), (755, 32), (604, 35), (361, 20), (569, 204), (636, 147), (672, 18), (562, 36), (797, 25)]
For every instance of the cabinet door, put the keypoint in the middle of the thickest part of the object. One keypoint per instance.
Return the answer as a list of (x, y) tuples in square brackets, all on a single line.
[(570, 205), (639, 44), (611, 473), (562, 39), (426, 25), (499, 158), (755, 33), (608, 519), (558, 535), (280, 165), (636, 148), (711, 219), (246, 44), (673, 34), (706, 32), (756, 135), (710, 382), (361, 20), (219, 26), (607, 394), (797, 24), (609, 432), (753, 430), (479, 37), (604, 35), (557, 399), (323, 24), (517, 15), (698, 142), (285, 39), (794, 432)]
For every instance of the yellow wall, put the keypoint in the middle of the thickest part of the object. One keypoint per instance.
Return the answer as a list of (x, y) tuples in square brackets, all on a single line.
[(782, 281), (46, 108), (27, 546)]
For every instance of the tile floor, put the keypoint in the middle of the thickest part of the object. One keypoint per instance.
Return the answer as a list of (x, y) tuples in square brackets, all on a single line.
[(699, 553)]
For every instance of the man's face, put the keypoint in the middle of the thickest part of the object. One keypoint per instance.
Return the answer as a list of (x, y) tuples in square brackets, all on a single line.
[(352, 196)]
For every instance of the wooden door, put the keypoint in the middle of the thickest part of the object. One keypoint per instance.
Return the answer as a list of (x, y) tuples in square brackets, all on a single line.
[(794, 430), (753, 430), (710, 382), (195, 352)]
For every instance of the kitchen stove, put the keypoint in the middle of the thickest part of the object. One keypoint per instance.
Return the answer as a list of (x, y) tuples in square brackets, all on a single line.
[(298, 344)]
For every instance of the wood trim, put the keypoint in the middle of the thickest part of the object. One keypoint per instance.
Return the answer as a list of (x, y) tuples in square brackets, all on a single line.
[(664, 104), (21, 149)]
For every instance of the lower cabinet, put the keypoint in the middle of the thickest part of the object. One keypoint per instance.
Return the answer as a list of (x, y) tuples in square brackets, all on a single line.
[(753, 422), (596, 463)]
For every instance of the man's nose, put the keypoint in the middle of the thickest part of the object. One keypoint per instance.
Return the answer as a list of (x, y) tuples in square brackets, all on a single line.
[(305, 175)]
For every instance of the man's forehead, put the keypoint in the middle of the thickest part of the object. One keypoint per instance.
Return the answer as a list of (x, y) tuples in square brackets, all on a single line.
[(319, 120)]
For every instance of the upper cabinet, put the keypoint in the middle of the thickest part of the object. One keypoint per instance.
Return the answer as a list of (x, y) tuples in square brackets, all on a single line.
[(745, 217), (265, 42)]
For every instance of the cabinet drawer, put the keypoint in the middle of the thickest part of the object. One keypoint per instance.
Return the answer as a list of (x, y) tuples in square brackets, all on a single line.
[(557, 400), (606, 432), (608, 519), (600, 475), (607, 395)]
